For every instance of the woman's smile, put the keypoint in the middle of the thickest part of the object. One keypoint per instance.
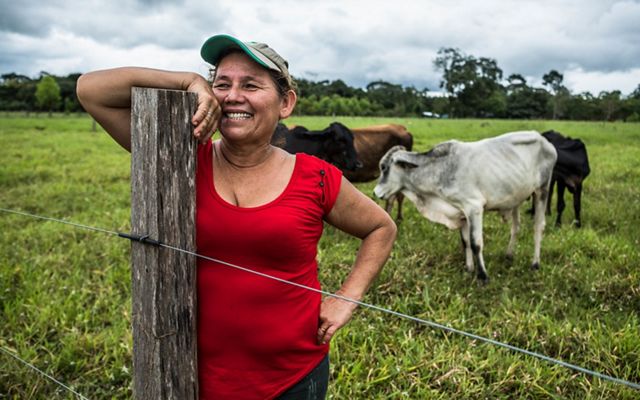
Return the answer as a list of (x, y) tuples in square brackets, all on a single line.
[(238, 115)]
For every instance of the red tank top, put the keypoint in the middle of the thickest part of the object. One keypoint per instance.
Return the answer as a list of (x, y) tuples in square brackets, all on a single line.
[(257, 336)]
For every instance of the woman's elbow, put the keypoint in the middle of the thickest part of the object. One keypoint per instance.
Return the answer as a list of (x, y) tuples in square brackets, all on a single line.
[(84, 89), (389, 227)]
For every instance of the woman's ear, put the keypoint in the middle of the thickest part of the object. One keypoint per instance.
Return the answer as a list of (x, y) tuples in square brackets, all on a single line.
[(288, 104)]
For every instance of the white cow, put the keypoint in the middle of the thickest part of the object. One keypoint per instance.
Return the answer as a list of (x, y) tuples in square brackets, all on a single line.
[(455, 182)]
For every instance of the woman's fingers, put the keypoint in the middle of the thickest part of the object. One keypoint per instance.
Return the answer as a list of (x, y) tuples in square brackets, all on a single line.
[(206, 119), (208, 113), (334, 314), (325, 333)]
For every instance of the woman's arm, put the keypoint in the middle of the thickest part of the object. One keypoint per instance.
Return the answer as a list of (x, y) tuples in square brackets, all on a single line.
[(359, 216), (106, 95)]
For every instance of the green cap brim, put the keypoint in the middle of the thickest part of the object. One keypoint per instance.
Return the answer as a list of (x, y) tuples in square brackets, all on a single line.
[(214, 47)]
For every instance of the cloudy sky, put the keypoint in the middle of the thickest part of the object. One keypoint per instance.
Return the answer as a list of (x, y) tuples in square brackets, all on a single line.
[(594, 43)]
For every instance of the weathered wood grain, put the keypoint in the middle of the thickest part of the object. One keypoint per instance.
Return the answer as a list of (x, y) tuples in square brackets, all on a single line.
[(163, 163)]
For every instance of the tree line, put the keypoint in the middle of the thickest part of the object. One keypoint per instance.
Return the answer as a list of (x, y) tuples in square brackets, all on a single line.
[(45, 93), (474, 88)]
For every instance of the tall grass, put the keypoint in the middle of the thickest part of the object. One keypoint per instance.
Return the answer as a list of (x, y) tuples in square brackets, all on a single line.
[(65, 292)]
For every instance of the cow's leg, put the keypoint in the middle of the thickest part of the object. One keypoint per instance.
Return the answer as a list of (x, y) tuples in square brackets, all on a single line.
[(388, 207), (515, 227), (577, 200), (553, 182), (475, 227), (561, 203), (465, 236), (399, 199), (538, 225)]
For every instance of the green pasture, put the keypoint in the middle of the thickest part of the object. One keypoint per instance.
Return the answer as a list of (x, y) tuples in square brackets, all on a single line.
[(65, 302)]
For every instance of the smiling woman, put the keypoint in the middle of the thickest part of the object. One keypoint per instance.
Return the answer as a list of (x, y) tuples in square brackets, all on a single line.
[(256, 206)]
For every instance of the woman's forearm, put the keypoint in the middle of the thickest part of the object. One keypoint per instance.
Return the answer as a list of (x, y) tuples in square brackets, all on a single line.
[(371, 257), (106, 95), (112, 87)]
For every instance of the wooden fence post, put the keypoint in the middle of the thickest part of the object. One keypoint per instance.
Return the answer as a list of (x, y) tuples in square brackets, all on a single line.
[(163, 163)]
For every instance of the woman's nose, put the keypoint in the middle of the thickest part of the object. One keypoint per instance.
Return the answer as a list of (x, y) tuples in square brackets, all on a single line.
[(233, 95)]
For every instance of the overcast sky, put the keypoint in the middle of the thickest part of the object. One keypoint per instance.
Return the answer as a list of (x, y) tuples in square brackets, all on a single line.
[(595, 44)]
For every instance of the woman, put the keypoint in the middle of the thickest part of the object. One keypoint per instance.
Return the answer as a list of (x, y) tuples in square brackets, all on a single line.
[(262, 208)]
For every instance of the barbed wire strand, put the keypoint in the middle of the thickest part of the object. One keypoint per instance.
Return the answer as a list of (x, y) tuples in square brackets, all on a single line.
[(6, 351), (360, 303)]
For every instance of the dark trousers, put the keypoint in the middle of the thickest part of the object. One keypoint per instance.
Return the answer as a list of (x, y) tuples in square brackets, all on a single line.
[(311, 387)]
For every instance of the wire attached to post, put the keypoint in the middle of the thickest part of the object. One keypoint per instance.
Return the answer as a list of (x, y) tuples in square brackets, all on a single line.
[(140, 238)]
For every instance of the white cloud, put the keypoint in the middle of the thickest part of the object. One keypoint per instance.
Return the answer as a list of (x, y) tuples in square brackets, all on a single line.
[(595, 82), (593, 43)]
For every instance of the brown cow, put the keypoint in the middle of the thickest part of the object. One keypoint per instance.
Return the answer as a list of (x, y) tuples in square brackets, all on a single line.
[(371, 144)]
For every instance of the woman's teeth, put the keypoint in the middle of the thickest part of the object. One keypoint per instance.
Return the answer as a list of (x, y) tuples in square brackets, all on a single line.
[(238, 115)]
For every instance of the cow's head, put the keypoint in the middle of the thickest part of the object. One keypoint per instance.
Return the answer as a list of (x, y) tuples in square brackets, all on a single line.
[(393, 166), (339, 147), (555, 137)]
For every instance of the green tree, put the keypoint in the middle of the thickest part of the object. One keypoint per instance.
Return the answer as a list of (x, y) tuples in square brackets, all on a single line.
[(523, 101), (517, 83), (472, 83), (630, 108), (17, 92), (583, 106), (553, 79), (307, 88), (48, 94), (68, 92), (610, 102), (389, 95)]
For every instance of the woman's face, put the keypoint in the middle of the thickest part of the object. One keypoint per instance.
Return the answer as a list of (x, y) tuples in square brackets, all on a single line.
[(251, 105)]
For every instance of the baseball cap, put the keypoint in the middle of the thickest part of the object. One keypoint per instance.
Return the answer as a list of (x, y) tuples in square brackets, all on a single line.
[(261, 53)]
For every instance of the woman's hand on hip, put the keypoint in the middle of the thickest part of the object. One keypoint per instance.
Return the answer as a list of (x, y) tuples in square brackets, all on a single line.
[(334, 314)]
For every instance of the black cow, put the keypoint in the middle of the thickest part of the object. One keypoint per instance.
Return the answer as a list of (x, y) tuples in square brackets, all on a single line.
[(334, 144), (570, 170)]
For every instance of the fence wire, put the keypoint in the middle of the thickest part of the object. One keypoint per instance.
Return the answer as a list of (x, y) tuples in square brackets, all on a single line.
[(145, 239), (33, 367)]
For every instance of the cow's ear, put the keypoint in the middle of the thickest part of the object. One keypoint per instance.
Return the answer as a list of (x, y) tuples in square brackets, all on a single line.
[(406, 164), (405, 161)]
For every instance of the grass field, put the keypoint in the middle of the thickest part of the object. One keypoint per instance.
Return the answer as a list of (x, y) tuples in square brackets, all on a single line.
[(65, 292)]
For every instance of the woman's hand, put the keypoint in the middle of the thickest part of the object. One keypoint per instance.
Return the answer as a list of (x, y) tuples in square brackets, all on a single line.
[(334, 314), (208, 113)]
